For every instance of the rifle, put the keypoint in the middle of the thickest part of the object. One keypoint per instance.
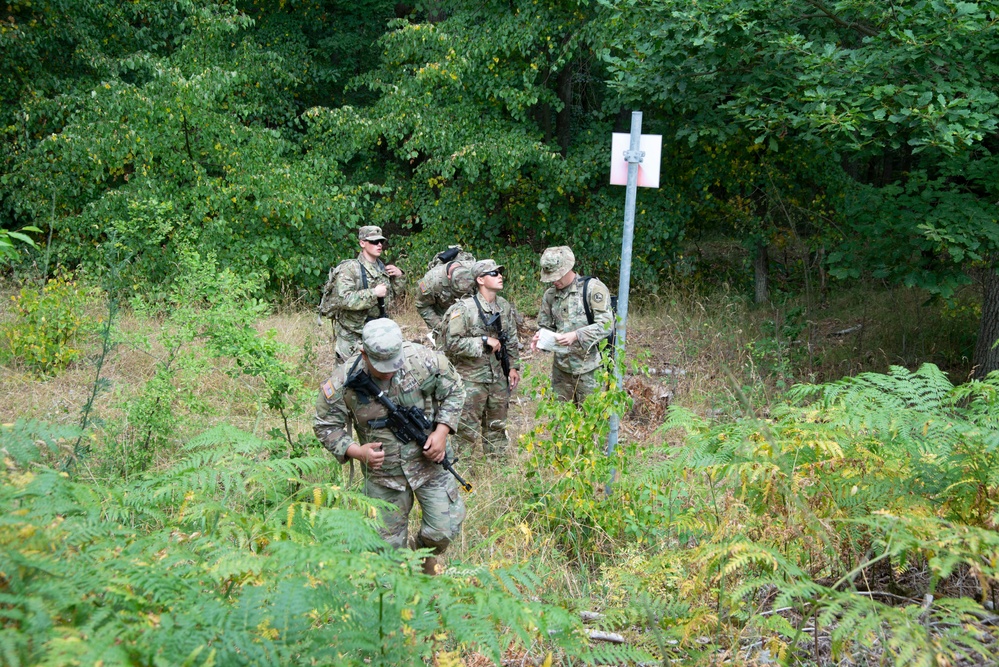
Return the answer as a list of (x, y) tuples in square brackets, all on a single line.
[(496, 323), (407, 423)]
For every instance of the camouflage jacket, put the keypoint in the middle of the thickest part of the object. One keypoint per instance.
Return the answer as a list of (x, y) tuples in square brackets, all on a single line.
[(427, 380), (347, 301), (434, 296), (463, 339), (562, 311)]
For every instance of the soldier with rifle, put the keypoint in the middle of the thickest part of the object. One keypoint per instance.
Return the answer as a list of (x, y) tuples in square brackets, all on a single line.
[(359, 290), (480, 338), (404, 399)]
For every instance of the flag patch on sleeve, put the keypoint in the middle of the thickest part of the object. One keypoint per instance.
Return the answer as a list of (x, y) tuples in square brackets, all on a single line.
[(328, 389)]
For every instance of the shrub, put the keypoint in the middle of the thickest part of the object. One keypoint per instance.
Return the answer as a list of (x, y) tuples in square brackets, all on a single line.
[(45, 334), (567, 476)]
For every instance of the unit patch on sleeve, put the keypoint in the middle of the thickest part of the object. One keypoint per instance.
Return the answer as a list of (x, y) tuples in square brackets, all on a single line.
[(423, 287), (598, 297)]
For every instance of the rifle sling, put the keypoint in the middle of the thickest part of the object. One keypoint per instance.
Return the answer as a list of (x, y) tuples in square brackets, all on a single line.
[(482, 315), (364, 285)]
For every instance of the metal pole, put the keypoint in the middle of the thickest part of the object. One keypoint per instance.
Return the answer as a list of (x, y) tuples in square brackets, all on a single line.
[(634, 157)]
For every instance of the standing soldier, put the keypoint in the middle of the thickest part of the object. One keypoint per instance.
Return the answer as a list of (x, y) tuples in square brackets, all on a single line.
[(394, 471), (480, 337), (439, 289), (564, 309), (359, 290)]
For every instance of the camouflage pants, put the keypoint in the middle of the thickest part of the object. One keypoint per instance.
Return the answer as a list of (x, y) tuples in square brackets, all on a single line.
[(442, 508), (347, 342), (344, 346), (484, 414), (573, 388)]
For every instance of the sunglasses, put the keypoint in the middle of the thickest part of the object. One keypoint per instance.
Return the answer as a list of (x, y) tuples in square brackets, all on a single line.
[(493, 273), (381, 242)]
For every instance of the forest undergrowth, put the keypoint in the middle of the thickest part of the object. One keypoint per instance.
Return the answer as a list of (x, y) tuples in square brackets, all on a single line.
[(790, 487)]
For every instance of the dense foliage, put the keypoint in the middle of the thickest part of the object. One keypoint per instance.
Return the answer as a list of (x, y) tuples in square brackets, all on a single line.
[(214, 561), (266, 131)]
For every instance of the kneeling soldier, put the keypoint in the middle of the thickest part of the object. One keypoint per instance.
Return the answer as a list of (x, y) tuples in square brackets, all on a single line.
[(394, 471), (480, 337)]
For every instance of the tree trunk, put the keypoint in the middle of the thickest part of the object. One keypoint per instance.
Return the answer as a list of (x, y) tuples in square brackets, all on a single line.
[(543, 114), (986, 353), (435, 11), (761, 274), (565, 115)]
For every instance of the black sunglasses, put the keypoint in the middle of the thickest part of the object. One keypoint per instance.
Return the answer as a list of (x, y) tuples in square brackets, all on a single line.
[(381, 242), (493, 273)]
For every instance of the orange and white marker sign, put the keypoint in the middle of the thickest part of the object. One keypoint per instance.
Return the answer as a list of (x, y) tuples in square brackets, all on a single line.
[(648, 169)]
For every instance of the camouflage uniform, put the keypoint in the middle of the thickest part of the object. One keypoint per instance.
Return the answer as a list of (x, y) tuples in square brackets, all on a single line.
[(437, 292), (488, 390), (562, 311), (425, 379), (353, 305)]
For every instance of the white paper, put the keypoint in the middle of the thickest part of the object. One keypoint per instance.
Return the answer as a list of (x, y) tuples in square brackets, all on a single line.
[(547, 342)]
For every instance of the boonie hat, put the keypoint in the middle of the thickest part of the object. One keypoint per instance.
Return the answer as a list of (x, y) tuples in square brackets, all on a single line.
[(382, 343), (370, 233), (461, 277), (556, 262), (485, 266)]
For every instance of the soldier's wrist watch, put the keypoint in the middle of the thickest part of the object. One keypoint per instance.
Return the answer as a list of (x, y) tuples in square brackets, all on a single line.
[(485, 343)]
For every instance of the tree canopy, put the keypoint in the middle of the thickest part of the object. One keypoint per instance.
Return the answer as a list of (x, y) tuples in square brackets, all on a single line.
[(267, 130)]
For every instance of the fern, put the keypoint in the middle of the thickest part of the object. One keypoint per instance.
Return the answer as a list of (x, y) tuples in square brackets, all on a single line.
[(29, 441), (789, 519), (212, 562)]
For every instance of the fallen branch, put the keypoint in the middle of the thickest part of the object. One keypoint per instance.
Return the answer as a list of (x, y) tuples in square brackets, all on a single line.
[(601, 636)]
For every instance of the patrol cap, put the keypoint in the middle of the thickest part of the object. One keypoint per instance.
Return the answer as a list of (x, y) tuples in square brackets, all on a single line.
[(485, 266), (461, 277), (370, 233), (556, 262), (382, 343)]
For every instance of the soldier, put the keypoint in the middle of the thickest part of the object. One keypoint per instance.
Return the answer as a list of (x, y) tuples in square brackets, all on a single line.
[(563, 311), (394, 471), (439, 289), (472, 339), (454, 253), (359, 290)]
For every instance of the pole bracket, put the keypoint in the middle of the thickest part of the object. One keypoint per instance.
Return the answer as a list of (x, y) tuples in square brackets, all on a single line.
[(634, 156)]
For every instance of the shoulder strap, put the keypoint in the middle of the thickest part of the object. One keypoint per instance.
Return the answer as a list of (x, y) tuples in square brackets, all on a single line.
[(482, 314), (586, 299), (364, 275)]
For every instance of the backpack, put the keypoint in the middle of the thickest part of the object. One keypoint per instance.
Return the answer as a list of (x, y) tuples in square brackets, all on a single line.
[(612, 339), (453, 253), (330, 304)]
